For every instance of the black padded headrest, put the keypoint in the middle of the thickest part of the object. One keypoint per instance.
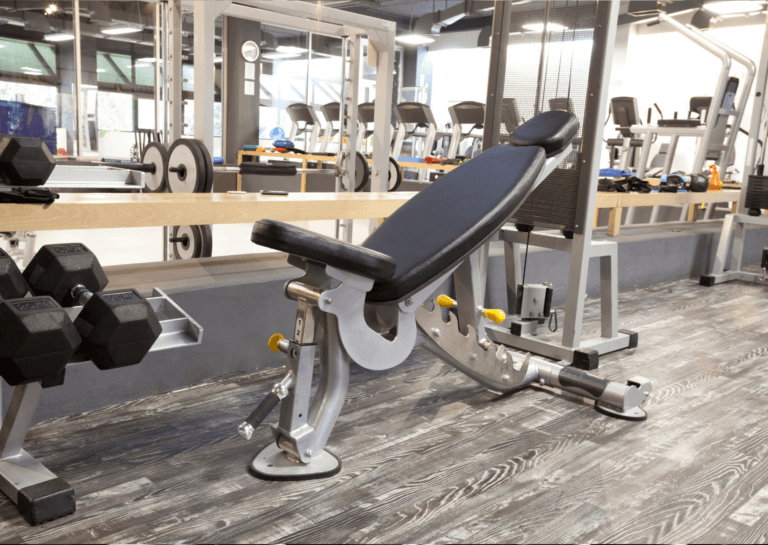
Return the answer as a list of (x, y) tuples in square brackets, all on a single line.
[(452, 217), (551, 130)]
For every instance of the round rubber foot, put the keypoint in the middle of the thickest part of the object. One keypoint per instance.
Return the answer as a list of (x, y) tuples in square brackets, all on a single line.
[(272, 464), (635, 415)]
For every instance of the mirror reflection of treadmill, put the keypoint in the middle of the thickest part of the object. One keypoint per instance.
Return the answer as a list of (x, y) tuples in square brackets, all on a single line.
[(420, 115), (331, 112), (303, 113), (466, 113)]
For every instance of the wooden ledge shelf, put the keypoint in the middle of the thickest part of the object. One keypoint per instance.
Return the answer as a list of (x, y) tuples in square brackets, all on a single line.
[(113, 210), (617, 201)]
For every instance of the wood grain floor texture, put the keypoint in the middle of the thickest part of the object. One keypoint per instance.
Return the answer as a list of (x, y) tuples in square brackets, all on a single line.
[(430, 456)]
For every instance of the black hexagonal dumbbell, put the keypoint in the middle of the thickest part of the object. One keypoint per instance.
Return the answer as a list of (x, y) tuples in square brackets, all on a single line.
[(118, 327), (37, 337), (25, 161)]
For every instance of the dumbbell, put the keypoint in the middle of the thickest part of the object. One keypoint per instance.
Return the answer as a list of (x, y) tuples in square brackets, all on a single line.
[(25, 161), (37, 336), (118, 327), (190, 168)]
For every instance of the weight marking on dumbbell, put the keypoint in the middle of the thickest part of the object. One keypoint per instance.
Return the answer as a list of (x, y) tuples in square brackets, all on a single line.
[(69, 249), (117, 297), (27, 306)]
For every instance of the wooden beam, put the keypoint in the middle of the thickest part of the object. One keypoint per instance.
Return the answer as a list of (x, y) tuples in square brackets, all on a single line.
[(107, 211)]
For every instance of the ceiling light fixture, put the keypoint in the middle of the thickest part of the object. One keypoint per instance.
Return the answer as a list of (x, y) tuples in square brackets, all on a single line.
[(59, 37), (733, 6), (88, 86), (51, 9), (33, 73), (147, 59), (414, 39), (217, 60), (140, 65), (276, 55), (31, 69), (290, 49), (120, 30), (101, 70), (539, 27)]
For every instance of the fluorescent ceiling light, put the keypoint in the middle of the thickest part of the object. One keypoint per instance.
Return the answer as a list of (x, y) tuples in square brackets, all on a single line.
[(539, 27), (2, 46), (31, 69), (32, 73), (280, 55), (59, 37), (290, 49), (88, 86), (101, 70), (139, 65), (733, 6), (120, 30), (147, 59), (414, 39), (217, 60)]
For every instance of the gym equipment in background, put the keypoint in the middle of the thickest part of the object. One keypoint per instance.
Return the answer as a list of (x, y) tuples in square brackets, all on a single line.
[(304, 113), (419, 115), (717, 137), (365, 116), (331, 114), (466, 113), (114, 329), (373, 304), (191, 241), (753, 198), (625, 115)]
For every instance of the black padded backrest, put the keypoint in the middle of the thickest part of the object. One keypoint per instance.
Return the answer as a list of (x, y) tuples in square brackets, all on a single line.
[(414, 112), (331, 111), (698, 105), (469, 113), (365, 112), (301, 112), (551, 130), (452, 217), (625, 114)]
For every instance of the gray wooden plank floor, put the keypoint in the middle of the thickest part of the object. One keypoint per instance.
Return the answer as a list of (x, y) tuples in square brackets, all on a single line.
[(430, 456)]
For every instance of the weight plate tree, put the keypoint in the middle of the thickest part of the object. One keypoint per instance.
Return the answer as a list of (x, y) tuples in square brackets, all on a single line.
[(191, 241), (156, 154)]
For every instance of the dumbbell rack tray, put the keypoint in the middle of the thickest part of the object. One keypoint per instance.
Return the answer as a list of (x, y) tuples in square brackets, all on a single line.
[(179, 328), (39, 494)]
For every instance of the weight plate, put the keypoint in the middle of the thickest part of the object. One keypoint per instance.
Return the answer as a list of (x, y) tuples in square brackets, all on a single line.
[(362, 171), (395, 174), (208, 187), (184, 154), (156, 154), (198, 241)]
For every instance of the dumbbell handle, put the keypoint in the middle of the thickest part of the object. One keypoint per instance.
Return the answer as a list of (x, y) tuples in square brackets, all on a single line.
[(81, 294)]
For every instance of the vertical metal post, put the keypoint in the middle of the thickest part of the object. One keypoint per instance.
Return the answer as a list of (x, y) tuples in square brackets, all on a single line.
[(175, 72), (18, 418), (383, 43), (78, 79), (470, 283), (758, 106), (597, 103), (205, 73), (158, 84), (166, 84)]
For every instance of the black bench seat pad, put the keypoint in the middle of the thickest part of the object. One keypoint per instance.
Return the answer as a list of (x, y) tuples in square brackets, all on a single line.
[(551, 130), (303, 243), (452, 217)]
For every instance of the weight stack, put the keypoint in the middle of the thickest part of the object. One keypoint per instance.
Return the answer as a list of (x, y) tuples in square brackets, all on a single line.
[(757, 193)]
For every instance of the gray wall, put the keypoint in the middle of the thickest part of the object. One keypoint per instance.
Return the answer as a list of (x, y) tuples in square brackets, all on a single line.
[(242, 111)]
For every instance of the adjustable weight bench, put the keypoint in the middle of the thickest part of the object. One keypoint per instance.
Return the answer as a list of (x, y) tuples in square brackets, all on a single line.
[(366, 304)]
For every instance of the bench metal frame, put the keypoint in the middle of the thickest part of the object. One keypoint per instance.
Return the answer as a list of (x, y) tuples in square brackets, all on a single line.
[(332, 322)]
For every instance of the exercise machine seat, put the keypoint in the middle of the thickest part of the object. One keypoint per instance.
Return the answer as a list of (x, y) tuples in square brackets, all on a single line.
[(551, 130), (438, 227), (303, 243)]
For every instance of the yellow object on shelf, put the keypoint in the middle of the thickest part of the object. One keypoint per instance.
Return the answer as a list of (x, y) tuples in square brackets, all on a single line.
[(273, 340), (714, 178)]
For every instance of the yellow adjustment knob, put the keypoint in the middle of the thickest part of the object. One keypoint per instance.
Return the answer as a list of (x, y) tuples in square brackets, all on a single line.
[(273, 340), (495, 315), (445, 301)]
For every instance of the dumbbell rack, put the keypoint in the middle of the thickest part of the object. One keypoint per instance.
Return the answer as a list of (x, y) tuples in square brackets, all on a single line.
[(38, 493)]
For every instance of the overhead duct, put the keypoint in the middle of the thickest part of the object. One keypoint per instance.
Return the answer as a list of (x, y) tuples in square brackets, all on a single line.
[(433, 23)]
